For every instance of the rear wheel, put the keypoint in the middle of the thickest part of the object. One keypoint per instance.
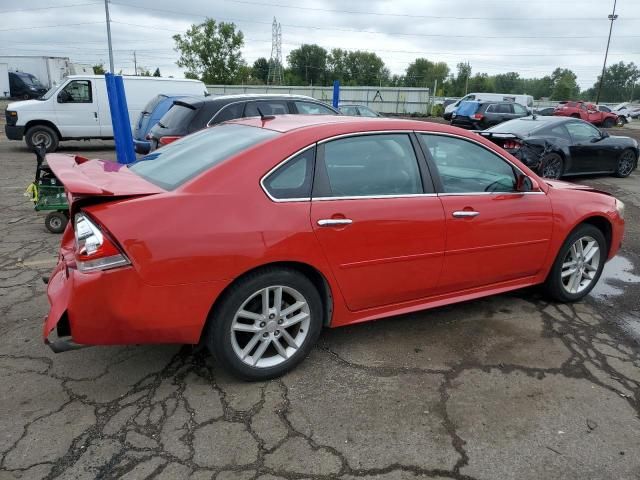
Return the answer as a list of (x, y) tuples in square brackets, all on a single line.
[(578, 265), (551, 166), (626, 163), (608, 123), (56, 222), (266, 324), (42, 134)]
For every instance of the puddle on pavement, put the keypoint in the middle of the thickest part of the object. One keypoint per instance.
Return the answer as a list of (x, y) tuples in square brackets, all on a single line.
[(617, 273)]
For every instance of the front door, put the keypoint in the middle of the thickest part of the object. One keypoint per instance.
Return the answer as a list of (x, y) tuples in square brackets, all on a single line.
[(381, 227), (494, 233), (587, 154), (77, 110)]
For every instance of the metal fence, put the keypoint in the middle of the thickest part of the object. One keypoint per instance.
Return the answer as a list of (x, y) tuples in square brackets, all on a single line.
[(382, 99)]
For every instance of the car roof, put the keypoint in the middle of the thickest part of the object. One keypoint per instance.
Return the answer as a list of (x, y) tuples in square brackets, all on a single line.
[(289, 123), (226, 99)]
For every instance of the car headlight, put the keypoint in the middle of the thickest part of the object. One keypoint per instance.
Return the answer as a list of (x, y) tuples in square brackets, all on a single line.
[(620, 208)]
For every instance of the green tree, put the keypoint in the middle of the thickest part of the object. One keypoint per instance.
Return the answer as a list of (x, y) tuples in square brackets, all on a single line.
[(481, 82), (357, 68), (99, 69), (309, 63), (210, 52), (509, 82), (260, 69), (564, 84), (423, 72), (156, 73), (619, 83)]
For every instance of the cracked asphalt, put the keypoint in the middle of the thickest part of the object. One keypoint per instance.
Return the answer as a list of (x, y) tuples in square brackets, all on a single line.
[(507, 387)]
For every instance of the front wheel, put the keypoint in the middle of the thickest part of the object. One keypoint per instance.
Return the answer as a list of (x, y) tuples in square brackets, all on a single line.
[(551, 166), (578, 265), (42, 134), (626, 164), (265, 324)]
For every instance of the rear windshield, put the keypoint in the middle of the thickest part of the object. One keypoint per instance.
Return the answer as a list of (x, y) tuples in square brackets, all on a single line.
[(153, 103), (177, 116), (519, 126), (172, 165), (467, 108)]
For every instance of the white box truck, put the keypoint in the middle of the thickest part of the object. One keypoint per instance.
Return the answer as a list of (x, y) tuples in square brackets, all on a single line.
[(79, 108), (50, 71)]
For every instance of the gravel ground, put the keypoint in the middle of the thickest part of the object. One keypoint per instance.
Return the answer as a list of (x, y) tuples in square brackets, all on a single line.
[(505, 387)]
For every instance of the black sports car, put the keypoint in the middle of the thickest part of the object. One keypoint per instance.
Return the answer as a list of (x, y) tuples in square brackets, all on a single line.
[(558, 146)]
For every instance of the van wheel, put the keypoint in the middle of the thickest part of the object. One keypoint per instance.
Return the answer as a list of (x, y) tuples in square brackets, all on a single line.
[(42, 134)]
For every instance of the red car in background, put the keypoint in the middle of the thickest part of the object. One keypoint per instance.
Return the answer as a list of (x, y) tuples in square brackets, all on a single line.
[(251, 236), (587, 112)]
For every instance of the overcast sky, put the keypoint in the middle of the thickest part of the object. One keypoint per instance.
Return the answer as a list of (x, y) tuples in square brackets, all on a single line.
[(531, 37)]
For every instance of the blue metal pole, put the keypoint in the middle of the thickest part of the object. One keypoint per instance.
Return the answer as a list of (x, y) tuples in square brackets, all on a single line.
[(336, 93), (120, 119)]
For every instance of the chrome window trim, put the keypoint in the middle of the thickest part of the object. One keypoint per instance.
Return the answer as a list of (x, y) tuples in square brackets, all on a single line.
[(374, 197), (445, 134), (280, 164), (370, 132), (223, 108)]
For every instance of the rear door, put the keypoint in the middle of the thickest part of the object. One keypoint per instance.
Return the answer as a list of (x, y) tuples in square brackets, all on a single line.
[(77, 109), (380, 225)]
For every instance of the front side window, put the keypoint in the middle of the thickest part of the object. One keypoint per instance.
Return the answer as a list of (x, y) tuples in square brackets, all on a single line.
[(352, 111), (366, 112), (310, 108), (582, 131), (174, 164), (76, 91), (503, 108), (519, 109), (466, 167), (371, 165), (292, 180), (558, 131)]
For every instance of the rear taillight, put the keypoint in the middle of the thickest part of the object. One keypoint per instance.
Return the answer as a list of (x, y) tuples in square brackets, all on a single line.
[(511, 145), (94, 249), (167, 140), (478, 116)]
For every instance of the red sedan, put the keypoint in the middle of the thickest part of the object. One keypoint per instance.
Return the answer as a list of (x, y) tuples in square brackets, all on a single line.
[(251, 236)]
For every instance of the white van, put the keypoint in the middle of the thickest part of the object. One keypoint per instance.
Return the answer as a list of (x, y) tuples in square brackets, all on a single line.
[(78, 109), (524, 100)]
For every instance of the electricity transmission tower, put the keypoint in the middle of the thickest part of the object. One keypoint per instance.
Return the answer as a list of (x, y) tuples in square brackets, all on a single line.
[(274, 77)]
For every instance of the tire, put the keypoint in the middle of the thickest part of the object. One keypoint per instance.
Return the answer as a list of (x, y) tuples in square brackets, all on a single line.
[(555, 285), (626, 164), (229, 334), (608, 123), (575, 115), (56, 222), (551, 166), (622, 120), (42, 133)]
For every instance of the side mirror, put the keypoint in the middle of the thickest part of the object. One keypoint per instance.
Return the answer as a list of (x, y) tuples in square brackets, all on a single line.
[(525, 183)]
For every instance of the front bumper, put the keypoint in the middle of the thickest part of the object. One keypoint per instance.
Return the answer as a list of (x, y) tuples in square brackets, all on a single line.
[(114, 307), (14, 132)]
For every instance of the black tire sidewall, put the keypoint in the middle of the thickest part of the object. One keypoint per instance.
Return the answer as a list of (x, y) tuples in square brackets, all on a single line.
[(218, 336), (63, 222), (545, 159), (608, 123), (553, 283), (42, 128)]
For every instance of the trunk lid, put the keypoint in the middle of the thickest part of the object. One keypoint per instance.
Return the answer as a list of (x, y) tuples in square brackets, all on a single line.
[(100, 179)]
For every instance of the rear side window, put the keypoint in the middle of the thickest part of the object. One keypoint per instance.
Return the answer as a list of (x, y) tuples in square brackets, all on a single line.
[(310, 108), (177, 116), (267, 107), (370, 165), (172, 165), (503, 108), (353, 111), (228, 112), (292, 180)]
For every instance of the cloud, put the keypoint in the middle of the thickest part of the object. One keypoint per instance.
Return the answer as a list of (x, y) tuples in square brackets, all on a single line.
[(530, 37)]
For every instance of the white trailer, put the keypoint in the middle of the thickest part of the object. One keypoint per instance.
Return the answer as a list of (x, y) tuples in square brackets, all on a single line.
[(51, 71)]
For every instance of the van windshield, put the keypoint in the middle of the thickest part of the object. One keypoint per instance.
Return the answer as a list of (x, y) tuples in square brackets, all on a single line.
[(29, 79)]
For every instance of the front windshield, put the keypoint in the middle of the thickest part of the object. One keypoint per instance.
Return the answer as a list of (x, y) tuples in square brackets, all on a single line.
[(50, 92), (29, 79)]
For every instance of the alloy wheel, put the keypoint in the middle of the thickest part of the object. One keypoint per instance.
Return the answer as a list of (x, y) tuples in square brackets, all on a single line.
[(580, 265), (552, 168), (270, 326), (626, 163)]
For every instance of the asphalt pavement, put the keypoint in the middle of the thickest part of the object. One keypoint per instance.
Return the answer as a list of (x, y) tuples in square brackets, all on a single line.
[(507, 387)]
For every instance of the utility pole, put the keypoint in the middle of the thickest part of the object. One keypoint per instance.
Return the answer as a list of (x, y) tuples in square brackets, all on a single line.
[(106, 11), (135, 64), (611, 17)]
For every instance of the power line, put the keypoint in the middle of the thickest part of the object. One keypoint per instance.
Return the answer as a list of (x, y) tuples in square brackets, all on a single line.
[(49, 26), (49, 8)]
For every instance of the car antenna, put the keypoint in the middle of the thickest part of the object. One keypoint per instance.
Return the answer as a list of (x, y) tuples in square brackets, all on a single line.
[(264, 117)]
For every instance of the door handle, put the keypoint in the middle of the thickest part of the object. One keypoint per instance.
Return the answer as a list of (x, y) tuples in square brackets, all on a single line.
[(95, 114), (333, 222), (465, 214)]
